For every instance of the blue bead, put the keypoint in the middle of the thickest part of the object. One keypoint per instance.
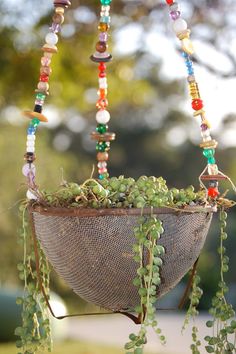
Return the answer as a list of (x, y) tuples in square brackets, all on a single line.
[(100, 176), (185, 55), (31, 131)]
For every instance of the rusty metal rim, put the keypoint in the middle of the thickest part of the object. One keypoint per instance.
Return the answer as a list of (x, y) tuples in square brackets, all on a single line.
[(90, 212)]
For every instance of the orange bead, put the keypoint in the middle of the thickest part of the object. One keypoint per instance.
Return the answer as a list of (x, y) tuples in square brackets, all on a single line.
[(103, 27), (102, 156), (102, 93)]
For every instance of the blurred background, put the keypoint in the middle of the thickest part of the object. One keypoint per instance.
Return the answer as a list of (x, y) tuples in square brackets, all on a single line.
[(149, 104)]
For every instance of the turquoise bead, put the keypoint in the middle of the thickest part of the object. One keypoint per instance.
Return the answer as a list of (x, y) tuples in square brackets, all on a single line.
[(34, 122), (211, 160), (105, 19), (209, 153), (105, 2)]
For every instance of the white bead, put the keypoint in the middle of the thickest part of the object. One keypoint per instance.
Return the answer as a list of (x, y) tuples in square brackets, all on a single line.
[(30, 143), (30, 149), (102, 164), (31, 137), (31, 196), (208, 138), (105, 8), (205, 133), (213, 169), (180, 25), (103, 116), (51, 38), (103, 83)]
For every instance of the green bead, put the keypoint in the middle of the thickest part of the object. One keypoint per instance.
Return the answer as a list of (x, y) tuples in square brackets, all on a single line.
[(102, 146), (211, 160), (40, 96), (209, 153), (101, 128), (105, 2), (35, 122)]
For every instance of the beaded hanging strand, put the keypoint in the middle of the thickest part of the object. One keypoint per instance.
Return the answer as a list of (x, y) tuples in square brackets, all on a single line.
[(36, 115), (208, 144), (101, 56)]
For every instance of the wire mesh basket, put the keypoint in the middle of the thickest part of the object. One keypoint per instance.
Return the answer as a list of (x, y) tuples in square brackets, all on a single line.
[(92, 249)]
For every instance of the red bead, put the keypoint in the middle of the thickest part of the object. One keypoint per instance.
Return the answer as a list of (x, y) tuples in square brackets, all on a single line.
[(102, 67), (44, 78), (213, 192), (197, 104), (102, 74), (169, 2)]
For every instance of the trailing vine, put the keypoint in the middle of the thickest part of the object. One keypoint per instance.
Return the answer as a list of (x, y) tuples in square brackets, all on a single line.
[(192, 312), (34, 333), (223, 324), (148, 255)]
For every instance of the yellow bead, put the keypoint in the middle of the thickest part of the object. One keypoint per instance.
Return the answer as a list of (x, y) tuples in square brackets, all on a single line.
[(60, 10), (187, 46)]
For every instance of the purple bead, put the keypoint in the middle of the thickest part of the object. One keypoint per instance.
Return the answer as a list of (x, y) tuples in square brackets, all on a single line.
[(174, 15), (29, 170), (55, 28), (39, 102), (103, 36), (204, 127)]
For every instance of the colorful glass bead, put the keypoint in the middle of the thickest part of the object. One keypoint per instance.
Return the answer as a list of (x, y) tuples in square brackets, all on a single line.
[(213, 192), (103, 83), (187, 46), (212, 169), (102, 93), (102, 128), (103, 27), (174, 15), (44, 86), (38, 108), (31, 130), (102, 164), (29, 156), (101, 47), (28, 168), (102, 67), (44, 78), (102, 146), (180, 25), (102, 103), (56, 27), (51, 38), (102, 156), (211, 161), (102, 74), (105, 2), (45, 61), (35, 122), (197, 104), (169, 2), (208, 153), (58, 19), (103, 36), (102, 170), (105, 19), (102, 116)]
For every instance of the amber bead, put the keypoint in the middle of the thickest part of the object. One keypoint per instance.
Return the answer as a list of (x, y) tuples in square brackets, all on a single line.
[(101, 47), (103, 27), (102, 156), (58, 18)]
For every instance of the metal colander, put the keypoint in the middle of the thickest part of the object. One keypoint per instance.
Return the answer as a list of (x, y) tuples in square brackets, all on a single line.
[(92, 249)]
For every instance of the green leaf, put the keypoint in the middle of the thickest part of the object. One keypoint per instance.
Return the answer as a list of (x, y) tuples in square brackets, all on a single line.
[(209, 324), (209, 349)]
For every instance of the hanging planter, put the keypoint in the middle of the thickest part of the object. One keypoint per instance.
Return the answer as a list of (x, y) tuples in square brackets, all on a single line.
[(118, 243)]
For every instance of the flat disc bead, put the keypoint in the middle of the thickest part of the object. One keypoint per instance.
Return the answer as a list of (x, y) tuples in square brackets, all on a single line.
[(51, 38), (32, 115), (180, 25), (103, 116)]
